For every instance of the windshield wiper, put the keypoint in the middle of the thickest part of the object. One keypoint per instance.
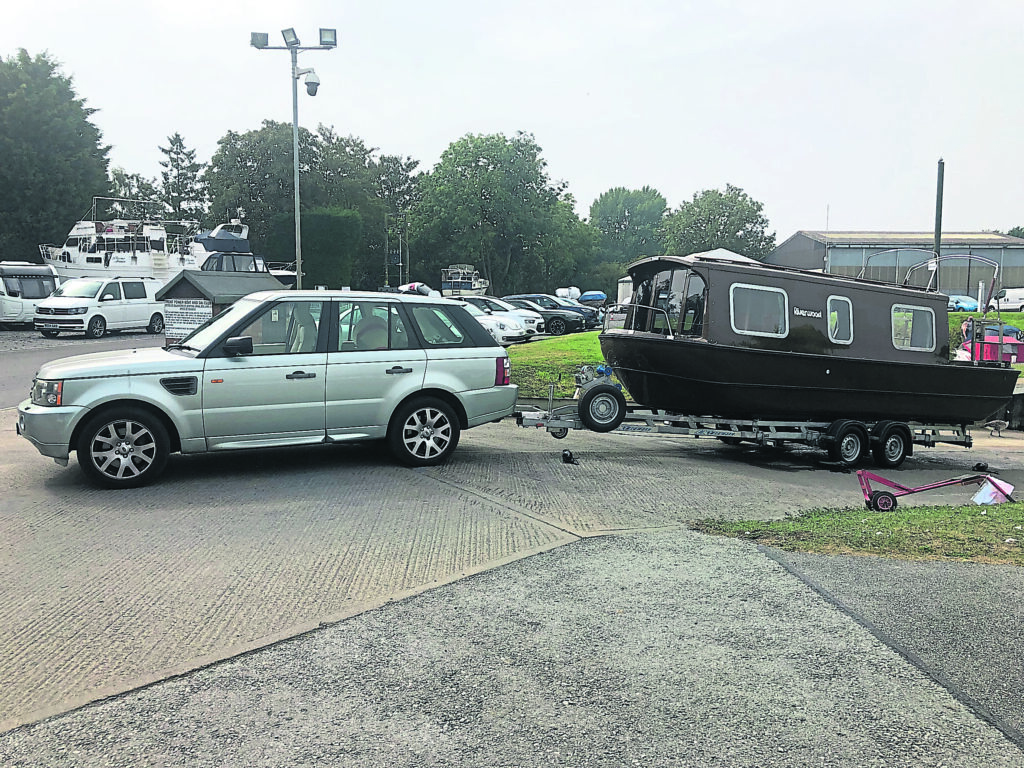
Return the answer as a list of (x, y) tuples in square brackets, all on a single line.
[(181, 346)]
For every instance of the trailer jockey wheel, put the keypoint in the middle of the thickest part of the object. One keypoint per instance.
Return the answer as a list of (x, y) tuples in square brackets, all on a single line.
[(559, 434), (602, 408), (882, 501)]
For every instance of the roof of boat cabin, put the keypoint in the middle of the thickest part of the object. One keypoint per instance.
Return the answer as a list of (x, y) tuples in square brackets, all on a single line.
[(742, 262), (856, 238)]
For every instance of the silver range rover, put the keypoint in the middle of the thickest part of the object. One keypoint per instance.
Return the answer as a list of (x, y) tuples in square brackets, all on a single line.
[(280, 368)]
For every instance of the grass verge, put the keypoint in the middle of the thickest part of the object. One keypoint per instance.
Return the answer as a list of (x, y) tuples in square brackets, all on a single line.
[(540, 363), (983, 534)]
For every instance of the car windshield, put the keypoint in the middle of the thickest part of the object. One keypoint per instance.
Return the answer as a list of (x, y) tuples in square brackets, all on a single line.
[(215, 327), (526, 304), (79, 289), (473, 309)]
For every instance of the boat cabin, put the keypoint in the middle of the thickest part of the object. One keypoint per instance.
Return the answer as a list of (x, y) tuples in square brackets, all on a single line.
[(742, 303)]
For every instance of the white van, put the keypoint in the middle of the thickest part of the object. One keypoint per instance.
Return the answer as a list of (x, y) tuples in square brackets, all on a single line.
[(22, 286), (1008, 300), (95, 305)]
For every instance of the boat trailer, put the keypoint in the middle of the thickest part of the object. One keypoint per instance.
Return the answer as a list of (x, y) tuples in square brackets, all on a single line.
[(600, 406)]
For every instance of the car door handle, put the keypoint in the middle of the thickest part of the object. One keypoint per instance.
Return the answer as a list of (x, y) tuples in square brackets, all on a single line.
[(300, 375), (398, 369)]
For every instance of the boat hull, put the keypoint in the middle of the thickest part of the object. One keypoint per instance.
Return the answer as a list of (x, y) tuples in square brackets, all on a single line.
[(697, 377)]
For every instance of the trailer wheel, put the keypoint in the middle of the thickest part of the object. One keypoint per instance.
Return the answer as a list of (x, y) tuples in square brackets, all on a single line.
[(602, 408), (882, 501), (560, 434), (849, 442), (893, 444)]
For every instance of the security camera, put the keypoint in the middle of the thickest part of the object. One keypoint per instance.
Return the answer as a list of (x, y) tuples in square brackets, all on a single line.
[(312, 83)]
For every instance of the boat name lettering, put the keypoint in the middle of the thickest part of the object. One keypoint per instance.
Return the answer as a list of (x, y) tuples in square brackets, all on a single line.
[(806, 312)]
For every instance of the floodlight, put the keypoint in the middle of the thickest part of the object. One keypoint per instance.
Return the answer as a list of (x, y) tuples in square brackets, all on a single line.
[(290, 38), (259, 39), (328, 37)]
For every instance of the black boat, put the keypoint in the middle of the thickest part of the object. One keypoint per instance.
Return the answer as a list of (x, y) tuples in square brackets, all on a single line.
[(743, 340)]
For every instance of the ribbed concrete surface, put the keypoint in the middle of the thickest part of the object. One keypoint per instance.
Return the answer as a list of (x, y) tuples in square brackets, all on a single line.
[(103, 590)]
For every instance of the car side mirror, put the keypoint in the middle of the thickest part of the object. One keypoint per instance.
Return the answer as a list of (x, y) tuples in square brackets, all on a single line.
[(106, 297), (238, 345), (1001, 294)]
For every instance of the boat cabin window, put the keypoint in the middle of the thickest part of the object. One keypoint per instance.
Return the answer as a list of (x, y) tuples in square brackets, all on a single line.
[(670, 302), (757, 310), (913, 328), (840, 320), (29, 286)]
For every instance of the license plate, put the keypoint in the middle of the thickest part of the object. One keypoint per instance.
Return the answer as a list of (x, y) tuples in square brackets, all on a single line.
[(50, 325)]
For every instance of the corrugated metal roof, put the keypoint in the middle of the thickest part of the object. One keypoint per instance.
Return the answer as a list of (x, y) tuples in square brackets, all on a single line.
[(912, 238)]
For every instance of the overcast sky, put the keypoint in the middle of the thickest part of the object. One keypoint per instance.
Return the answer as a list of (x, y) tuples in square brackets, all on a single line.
[(829, 113)]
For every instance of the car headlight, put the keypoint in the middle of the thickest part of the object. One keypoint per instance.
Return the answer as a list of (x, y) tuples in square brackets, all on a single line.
[(79, 310), (48, 393), (501, 325)]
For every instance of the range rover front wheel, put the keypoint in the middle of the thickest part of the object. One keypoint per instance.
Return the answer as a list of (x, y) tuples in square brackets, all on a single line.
[(423, 432), (123, 447)]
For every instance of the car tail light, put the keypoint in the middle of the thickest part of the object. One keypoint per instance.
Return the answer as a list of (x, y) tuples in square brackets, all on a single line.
[(501, 371)]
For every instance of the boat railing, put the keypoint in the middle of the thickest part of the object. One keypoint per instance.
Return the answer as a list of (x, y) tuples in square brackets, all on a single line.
[(624, 317)]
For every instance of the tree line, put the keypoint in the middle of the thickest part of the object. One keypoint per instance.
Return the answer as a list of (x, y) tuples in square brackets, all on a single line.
[(489, 201)]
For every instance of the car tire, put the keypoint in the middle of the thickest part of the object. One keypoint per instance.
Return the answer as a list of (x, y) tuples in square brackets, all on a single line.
[(556, 327), (97, 327), (156, 324), (50, 334), (423, 432), (123, 447)]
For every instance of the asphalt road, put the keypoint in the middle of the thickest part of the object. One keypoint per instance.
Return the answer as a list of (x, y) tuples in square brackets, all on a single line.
[(327, 607), (23, 351)]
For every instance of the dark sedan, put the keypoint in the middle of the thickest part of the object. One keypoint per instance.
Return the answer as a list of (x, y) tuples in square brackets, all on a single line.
[(590, 315), (556, 321)]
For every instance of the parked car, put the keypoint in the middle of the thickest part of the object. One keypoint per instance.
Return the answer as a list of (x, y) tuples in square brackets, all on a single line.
[(556, 321), (591, 317), (532, 321), (960, 303), (504, 330), (93, 306), (277, 368)]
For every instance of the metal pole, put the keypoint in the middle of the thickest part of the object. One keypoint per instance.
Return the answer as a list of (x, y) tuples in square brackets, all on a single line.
[(295, 165), (938, 209)]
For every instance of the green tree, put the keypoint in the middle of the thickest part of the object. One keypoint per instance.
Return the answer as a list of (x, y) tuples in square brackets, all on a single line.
[(250, 177), (716, 219), (489, 201), (629, 221), (182, 187), (1016, 232), (136, 197), (331, 240), (53, 160)]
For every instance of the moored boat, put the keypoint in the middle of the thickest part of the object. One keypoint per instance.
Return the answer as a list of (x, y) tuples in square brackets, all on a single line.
[(740, 339), (463, 280)]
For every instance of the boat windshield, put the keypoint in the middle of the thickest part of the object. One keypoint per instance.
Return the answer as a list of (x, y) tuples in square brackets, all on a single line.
[(79, 289), (670, 302)]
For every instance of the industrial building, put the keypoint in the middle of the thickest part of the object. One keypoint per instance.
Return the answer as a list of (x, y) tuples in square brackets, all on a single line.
[(888, 256)]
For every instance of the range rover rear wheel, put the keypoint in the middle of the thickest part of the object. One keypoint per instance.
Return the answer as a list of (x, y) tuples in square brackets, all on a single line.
[(423, 432), (97, 327), (123, 447)]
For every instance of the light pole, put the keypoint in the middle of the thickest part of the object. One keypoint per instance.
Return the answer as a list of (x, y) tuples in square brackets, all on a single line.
[(328, 40)]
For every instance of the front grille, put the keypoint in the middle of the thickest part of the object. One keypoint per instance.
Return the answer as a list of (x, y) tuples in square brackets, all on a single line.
[(180, 385), (55, 311)]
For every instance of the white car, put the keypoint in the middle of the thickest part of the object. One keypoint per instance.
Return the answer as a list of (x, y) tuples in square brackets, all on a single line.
[(95, 305), (504, 330), (532, 321)]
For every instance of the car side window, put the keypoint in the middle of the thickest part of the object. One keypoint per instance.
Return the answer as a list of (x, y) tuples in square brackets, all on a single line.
[(287, 328), (111, 291), (134, 289), (437, 326), (371, 325)]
